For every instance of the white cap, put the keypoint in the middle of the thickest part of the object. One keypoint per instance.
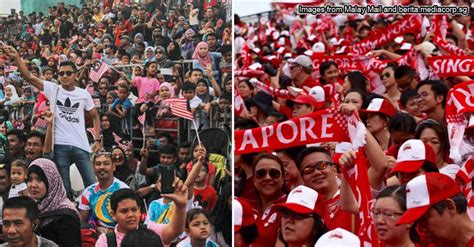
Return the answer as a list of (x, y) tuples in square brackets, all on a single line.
[(338, 238), (302, 60), (318, 47), (318, 93), (406, 46)]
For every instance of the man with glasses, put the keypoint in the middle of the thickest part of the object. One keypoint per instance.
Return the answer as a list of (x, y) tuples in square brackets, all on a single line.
[(405, 76), (431, 99), (34, 146), (439, 209), (95, 199), (70, 139), (301, 69), (319, 173)]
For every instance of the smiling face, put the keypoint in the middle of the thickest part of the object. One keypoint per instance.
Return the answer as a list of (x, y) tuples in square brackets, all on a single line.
[(203, 51), (320, 180), (268, 186), (426, 99), (331, 75), (33, 148), (104, 168)]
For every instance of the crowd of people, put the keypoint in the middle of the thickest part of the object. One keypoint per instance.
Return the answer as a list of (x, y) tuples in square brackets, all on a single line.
[(365, 131), (92, 86)]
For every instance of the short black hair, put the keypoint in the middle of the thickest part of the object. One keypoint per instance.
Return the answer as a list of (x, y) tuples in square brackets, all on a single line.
[(168, 149), (309, 151), (191, 214), (25, 202), (188, 86), (403, 71), (459, 200), (185, 144), (406, 96), (402, 122), (438, 88), (142, 237), (18, 133), (68, 63), (123, 194), (198, 70), (38, 134)]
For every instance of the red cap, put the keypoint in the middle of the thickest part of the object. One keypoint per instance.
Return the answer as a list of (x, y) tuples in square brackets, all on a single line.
[(303, 99), (411, 156), (425, 191), (380, 105)]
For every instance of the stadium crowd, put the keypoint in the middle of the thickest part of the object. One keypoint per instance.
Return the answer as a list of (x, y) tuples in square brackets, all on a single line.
[(354, 130), (99, 86)]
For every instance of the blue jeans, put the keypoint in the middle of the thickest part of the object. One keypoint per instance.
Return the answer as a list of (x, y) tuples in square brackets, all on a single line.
[(65, 156)]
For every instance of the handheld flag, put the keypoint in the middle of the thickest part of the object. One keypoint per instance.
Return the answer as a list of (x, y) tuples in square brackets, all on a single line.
[(98, 70)]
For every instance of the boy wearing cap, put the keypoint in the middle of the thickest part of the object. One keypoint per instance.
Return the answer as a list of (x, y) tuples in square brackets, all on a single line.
[(300, 70), (436, 204)]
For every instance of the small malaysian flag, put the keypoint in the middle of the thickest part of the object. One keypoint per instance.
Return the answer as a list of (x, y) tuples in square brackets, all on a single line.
[(90, 89), (179, 107), (98, 70)]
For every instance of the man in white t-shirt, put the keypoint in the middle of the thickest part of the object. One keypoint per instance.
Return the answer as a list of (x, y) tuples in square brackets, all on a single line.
[(70, 139)]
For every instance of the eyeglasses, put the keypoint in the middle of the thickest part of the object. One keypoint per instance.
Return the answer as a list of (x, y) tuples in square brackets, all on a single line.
[(285, 213), (384, 213), (386, 75), (262, 173), (321, 165), (33, 145), (159, 52), (422, 95), (68, 73)]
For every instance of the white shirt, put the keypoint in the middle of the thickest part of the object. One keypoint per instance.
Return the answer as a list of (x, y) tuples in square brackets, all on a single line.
[(69, 127)]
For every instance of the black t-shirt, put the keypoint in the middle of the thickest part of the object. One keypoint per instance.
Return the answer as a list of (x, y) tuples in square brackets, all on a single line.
[(64, 30)]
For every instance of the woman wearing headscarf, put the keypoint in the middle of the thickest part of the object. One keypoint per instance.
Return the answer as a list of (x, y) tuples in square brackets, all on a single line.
[(161, 58), (139, 38), (11, 96), (174, 51), (122, 169), (109, 123), (187, 44), (59, 219), (167, 91), (205, 60), (149, 54)]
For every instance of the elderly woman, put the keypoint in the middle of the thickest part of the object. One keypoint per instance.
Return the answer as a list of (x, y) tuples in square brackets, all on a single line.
[(59, 218)]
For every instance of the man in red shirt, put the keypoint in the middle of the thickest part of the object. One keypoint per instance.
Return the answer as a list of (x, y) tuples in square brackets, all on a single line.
[(300, 70), (436, 204), (319, 173)]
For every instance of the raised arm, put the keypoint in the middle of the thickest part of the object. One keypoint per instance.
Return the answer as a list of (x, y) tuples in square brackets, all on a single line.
[(25, 73), (193, 174), (176, 227)]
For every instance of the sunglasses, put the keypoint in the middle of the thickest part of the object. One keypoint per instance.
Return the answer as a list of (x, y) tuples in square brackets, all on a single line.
[(285, 213), (262, 173), (386, 75), (159, 52), (321, 165), (68, 73)]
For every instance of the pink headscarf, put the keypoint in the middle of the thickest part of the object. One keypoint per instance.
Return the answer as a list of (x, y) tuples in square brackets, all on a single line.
[(203, 60), (170, 87)]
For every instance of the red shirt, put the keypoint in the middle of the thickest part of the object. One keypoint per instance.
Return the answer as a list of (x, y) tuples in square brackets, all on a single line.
[(206, 197), (309, 82), (335, 217), (268, 223)]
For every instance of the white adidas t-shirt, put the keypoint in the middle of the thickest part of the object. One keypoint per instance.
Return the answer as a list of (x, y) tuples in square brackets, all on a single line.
[(69, 128)]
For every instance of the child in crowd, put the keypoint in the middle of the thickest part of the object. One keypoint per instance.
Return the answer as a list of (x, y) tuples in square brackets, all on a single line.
[(120, 108), (205, 195), (408, 104), (18, 176), (198, 228)]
